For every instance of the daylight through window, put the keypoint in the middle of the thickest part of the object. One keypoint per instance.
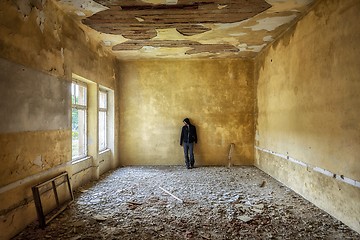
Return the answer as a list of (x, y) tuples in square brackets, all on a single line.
[(103, 120), (79, 120)]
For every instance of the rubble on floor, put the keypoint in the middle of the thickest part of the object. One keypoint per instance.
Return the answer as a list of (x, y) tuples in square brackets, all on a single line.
[(172, 202)]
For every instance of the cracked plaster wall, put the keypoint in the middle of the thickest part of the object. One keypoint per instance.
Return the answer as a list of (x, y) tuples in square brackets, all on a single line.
[(40, 48), (308, 109), (155, 96), (45, 40)]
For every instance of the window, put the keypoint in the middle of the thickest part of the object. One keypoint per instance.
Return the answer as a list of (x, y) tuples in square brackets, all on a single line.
[(103, 105), (79, 120)]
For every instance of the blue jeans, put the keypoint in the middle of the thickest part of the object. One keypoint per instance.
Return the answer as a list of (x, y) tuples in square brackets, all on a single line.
[(189, 149)]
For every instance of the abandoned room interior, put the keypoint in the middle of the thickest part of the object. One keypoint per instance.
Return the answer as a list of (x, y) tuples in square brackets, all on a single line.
[(93, 94)]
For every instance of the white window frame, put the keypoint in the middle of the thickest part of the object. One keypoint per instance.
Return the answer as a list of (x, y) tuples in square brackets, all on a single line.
[(103, 110), (85, 108)]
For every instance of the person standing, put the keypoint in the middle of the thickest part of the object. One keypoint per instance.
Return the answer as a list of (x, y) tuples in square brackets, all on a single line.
[(187, 139)]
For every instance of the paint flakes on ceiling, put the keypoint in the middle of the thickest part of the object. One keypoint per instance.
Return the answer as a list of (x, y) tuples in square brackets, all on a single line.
[(133, 29), (188, 17), (138, 21), (271, 23), (195, 47), (268, 38), (88, 6)]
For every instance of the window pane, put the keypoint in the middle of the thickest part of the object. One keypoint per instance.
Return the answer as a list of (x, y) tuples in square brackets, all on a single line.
[(102, 131), (78, 133), (73, 90), (102, 100), (75, 132), (81, 95), (79, 128), (78, 94)]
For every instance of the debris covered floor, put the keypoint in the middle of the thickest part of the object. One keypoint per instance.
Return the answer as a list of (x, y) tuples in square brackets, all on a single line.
[(213, 203)]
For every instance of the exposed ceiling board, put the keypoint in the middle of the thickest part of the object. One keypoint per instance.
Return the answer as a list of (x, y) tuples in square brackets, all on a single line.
[(187, 16), (133, 29)]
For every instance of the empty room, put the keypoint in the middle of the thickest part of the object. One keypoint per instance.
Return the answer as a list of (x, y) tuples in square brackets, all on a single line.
[(179, 119)]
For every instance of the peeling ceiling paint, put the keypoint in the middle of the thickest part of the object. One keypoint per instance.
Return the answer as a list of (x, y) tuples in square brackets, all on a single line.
[(271, 23), (184, 28), (268, 38)]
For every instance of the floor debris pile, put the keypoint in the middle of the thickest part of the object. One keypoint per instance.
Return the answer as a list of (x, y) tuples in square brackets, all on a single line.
[(171, 202)]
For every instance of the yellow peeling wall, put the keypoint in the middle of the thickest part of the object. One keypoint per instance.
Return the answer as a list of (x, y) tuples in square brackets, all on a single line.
[(155, 96), (308, 105), (40, 48)]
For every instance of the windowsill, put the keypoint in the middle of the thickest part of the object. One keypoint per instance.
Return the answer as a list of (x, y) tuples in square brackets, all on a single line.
[(105, 151), (80, 160)]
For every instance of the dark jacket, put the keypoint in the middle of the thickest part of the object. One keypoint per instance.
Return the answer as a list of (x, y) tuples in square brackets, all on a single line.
[(188, 134)]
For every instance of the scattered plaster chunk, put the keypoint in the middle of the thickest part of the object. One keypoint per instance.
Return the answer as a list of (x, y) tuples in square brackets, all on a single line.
[(245, 218)]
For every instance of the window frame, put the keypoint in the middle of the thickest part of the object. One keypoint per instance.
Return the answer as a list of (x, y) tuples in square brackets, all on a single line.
[(85, 109), (103, 110)]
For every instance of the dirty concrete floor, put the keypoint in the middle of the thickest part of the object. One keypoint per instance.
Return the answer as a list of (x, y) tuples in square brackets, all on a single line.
[(213, 203)]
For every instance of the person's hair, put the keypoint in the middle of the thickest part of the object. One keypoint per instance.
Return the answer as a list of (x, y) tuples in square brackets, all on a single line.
[(186, 120)]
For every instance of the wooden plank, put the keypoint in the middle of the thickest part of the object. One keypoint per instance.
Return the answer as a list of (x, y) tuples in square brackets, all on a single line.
[(38, 206), (172, 195), (232, 146), (55, 193), (185, 16), (50, 180), (196, 46), (60, 210), (175, 12)]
